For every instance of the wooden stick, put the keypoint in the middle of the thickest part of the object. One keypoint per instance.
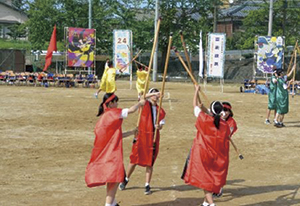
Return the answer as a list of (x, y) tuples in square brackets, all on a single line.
[(150, 65), (294, 73), (192, 77), (185, 51), (235, 148), (140, 63), (131, 56), (163, 85), (136, 56), (292, 57)]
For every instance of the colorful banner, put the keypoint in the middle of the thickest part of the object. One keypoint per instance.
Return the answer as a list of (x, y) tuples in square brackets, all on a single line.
[(81, 48), (216, 54), (121, 49), (270, 53)]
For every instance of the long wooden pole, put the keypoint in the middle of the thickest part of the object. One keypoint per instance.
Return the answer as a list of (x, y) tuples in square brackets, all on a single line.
[(185, 51), (149, 68), (292, 57), (294, 72), (192, 77), (136, 56), (163, 85), (140, 63), (236, 149)]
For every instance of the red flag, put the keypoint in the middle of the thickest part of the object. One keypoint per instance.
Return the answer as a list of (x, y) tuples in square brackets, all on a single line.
[(52, 47)]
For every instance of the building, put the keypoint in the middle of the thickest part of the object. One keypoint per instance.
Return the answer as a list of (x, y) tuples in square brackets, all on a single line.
[(230, 17), (9, 15)]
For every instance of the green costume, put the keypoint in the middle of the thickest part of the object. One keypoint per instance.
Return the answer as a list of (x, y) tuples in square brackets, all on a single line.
[(282, 97), (272, 94)]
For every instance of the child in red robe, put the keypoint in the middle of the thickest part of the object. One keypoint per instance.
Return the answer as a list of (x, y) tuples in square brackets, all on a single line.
[(207, 164), (144, 150), (228, 117), (106, 164)]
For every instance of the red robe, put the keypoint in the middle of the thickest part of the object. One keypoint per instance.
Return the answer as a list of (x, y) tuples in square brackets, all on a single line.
[(232, 124), (209, 158), (106, 163), (142, 148)]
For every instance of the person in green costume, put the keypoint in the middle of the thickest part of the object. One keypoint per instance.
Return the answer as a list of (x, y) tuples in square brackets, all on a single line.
[(282, 97), (272, 97)]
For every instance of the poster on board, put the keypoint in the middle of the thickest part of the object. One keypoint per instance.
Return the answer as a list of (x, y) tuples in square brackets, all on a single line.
[(81, 47), (216, 54), (270, 53), (121, 49)]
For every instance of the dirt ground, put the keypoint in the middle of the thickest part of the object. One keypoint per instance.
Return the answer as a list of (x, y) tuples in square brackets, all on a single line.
[(47, 137)]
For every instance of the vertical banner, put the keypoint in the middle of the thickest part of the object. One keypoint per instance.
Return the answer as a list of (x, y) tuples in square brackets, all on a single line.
[(270, 53), (121, 49), (216, 54), (81, 47), (200, 56)]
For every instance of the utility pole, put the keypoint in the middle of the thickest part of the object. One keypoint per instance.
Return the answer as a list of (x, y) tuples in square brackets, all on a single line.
[(270, 18), (154, 75), (90, 25), (90, 14), (215, 16)]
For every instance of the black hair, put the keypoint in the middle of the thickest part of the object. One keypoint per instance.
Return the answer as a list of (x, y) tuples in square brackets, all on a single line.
[(279, 71), (216, 108), (228, 104), (105, 97), (153, 90), (110, 63)]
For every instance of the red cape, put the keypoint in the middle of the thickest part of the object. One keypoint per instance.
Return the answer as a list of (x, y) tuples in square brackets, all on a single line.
[(232, 124), (208, 164), (142, 148), (106, 164)]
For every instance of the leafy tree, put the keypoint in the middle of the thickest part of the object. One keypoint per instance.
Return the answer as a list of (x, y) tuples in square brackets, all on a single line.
[(256, 23), (43, 15), (17, 30)]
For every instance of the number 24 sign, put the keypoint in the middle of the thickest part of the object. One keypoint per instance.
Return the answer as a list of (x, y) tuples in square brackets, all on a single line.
[(122, 40)]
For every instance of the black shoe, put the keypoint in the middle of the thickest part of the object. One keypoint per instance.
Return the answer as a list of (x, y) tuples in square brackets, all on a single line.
[(278, 125), (282, 125), (117, 204), (218, 194), (122, 185), (147, 190)]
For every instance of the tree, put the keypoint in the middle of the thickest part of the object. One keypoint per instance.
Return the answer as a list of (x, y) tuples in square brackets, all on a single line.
[(256, 23), (43, 15), (17, 30)]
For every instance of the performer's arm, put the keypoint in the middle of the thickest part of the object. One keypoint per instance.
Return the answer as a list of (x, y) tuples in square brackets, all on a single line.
[(148, 95), (196, 103), (195, 100), (136, 106), (129, 133)]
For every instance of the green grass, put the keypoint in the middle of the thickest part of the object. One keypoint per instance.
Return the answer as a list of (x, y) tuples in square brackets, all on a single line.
[(14, 44)]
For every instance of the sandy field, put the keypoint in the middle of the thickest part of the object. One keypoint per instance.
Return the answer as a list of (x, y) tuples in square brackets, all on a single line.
[(47, 137)]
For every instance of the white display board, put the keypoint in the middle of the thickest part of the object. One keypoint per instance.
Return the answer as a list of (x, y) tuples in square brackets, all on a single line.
[(121, 49), (216, 54)]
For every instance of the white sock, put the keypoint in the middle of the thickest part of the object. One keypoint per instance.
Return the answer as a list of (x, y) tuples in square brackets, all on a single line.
[(147, 184), (107, 204), (213, 204), (127, 179), (114, 202)]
